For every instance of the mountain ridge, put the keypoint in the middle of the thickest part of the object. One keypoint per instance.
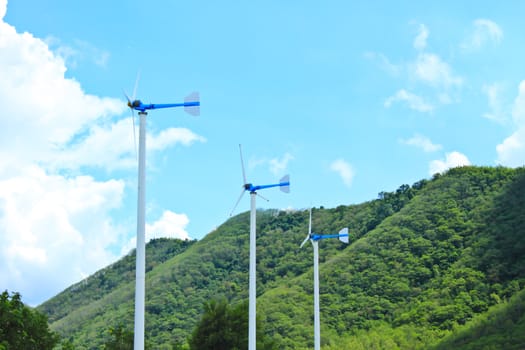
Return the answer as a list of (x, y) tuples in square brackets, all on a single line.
[(426, 258)]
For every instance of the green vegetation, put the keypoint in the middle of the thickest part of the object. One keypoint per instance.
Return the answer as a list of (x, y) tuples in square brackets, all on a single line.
[(223, 327), (111, 278), (500, 328), (119, 339), (22, 328), (436, 265)]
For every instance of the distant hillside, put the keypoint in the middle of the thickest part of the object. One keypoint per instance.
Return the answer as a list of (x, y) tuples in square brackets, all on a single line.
[(105, 281), (423, 262), (502, 327)]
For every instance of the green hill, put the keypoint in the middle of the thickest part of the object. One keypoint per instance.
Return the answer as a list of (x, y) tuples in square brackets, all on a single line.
[(425, 262), (502, 327)]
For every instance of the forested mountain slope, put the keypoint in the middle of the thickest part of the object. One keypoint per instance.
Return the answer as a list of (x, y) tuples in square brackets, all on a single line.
[(502, 327), (110, 278), (450, 253), (423, 261)]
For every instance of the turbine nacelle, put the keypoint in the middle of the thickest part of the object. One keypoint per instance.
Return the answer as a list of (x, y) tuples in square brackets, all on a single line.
[(135, 104), (315, 237), (284, 185), (191, 104)]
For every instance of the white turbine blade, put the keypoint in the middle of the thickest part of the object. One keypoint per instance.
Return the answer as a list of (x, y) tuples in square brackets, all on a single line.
[(237, 203), (242, 165), (305, 240), (285, 178), (345, 238), (133, 120), (127, 97), (193, 110), (309, 230)]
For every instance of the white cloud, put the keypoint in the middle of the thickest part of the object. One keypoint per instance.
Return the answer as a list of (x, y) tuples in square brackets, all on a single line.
[(420, 42), (452, 160), (169, 225), (278, 166), (172, 136), (112, 146), (518, 110), (427, 70), (345, 171), (3, 8), (254, 162), (493, 92), (109, 146), (413, 101), (511, 152), (421, 142), (78, 52), (484, 31), (432, 70), (49, 223), (56, 223), (46, 110)]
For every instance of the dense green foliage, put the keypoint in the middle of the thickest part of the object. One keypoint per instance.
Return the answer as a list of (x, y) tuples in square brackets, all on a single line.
[(110, 278), (223, 327), (103, 293), (120, 338), (503, 327), (429, 267), (23, 328), (424, 263)]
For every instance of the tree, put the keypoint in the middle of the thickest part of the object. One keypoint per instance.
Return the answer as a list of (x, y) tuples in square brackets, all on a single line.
[(23, 328), (223, 327), (120, 339), (67, 345)]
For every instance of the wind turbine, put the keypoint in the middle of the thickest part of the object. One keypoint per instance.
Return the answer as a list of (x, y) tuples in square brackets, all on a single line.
[(191, 105), (315, 238), (284, 186)]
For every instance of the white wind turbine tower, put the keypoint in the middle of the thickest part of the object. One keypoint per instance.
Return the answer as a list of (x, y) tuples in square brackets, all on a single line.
[(191, 106), (315, 238), (284, 185)]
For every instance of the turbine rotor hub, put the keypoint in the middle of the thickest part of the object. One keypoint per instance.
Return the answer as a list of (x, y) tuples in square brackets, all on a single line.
[(133, 104)]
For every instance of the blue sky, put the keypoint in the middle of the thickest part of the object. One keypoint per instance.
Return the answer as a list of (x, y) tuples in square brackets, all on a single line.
[(349, 98)]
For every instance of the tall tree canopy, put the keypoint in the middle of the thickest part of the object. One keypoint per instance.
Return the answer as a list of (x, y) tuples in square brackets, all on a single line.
[(223, 327), (23, 328), (120, 339)]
